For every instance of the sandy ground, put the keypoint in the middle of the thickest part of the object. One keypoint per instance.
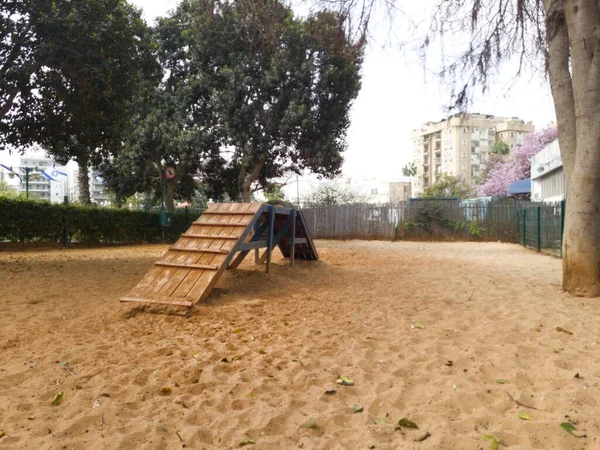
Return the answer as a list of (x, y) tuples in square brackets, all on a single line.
[(255, 361)]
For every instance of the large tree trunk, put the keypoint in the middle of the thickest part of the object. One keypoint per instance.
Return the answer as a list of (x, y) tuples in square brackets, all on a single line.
[(574, 37), (84, 181), (245, 181), (171, 185), (170, 196)]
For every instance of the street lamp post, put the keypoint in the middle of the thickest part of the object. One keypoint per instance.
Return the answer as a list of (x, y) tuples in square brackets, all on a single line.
[(27, 170)]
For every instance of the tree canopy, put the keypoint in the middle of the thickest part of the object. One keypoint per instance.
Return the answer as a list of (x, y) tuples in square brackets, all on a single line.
[(448, 186), (250, 93), (409, 170), (70, 74), (501, 174), (287, 85), (174, 122)]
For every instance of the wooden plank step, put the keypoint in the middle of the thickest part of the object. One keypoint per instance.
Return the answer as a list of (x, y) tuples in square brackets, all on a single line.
[(216, 251), (230, 213), (221, 224), (158, 302), (186, 266), (209, 236)]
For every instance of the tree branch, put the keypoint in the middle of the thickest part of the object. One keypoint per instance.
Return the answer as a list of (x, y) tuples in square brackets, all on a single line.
[(8, 105)]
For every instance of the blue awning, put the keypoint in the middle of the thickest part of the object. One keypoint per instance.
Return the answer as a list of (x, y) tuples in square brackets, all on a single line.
[(520, 187)]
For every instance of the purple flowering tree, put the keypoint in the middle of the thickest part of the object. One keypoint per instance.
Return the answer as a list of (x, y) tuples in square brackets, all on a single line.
[(502, 174)]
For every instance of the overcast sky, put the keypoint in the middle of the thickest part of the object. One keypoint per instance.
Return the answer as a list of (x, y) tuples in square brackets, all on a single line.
[(397, 97)]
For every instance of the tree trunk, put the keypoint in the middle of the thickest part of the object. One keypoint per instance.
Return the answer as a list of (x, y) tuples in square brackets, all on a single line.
[(148, 200), (576, 98), (246, 181), (84, 181), (245, 193), (170, 196), (171, 185)]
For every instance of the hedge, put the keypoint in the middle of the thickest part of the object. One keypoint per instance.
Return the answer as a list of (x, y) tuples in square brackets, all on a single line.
[(34, 221)]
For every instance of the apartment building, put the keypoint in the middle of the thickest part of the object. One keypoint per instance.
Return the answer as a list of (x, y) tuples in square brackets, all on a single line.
[(399, 191), (460, 144), (39, 186)]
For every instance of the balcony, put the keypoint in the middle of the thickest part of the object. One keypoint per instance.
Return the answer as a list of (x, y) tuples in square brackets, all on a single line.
[(438, 160)]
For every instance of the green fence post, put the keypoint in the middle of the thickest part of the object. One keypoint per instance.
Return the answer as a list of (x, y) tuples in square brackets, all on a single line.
[(539, 228), (524, 227), (563, 204), (65, 232)]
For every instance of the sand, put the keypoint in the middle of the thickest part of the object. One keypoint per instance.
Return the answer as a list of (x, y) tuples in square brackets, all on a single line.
[(254, 362)]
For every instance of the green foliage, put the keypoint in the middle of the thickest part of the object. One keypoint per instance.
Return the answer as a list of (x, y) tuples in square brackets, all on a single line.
[(426, 217), (286, 85), (448, 186), (85, 58), (28, 220), (475, 229), (199, 200), (500, 148), (174, 122), (409, 170), (432, 213), (9, 191), (274, 194)]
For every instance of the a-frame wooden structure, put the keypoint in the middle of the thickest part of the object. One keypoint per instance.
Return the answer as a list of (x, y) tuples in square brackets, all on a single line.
[(219, 240)]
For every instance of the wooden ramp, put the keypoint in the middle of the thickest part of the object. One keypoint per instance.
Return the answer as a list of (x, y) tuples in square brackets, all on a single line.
[(189, 270)]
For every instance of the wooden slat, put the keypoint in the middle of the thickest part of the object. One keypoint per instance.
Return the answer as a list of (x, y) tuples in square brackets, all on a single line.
[(229, 213), (181, 274), (220, 224), (156, 271), (151, 282), (158, 302), (167, 273), (187, 266), (185, 283), (198, 250), (200, 290), (208, 236)]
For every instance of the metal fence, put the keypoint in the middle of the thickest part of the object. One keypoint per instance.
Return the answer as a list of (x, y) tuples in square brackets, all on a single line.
[(535, 225), (541, 225)]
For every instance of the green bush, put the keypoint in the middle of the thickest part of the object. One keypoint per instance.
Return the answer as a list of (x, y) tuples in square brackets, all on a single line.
[(34, 221)]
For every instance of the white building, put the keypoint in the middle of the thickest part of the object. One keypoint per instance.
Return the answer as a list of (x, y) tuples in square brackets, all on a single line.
[(547, 175), (40, 187), (379, 191)]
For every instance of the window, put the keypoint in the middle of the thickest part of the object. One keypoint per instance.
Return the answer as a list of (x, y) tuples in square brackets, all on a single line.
[(464, 166), (512, 134), (512, 145), (464, 154), (464, 131), (501, 135), (464, 142), (374, 191)]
